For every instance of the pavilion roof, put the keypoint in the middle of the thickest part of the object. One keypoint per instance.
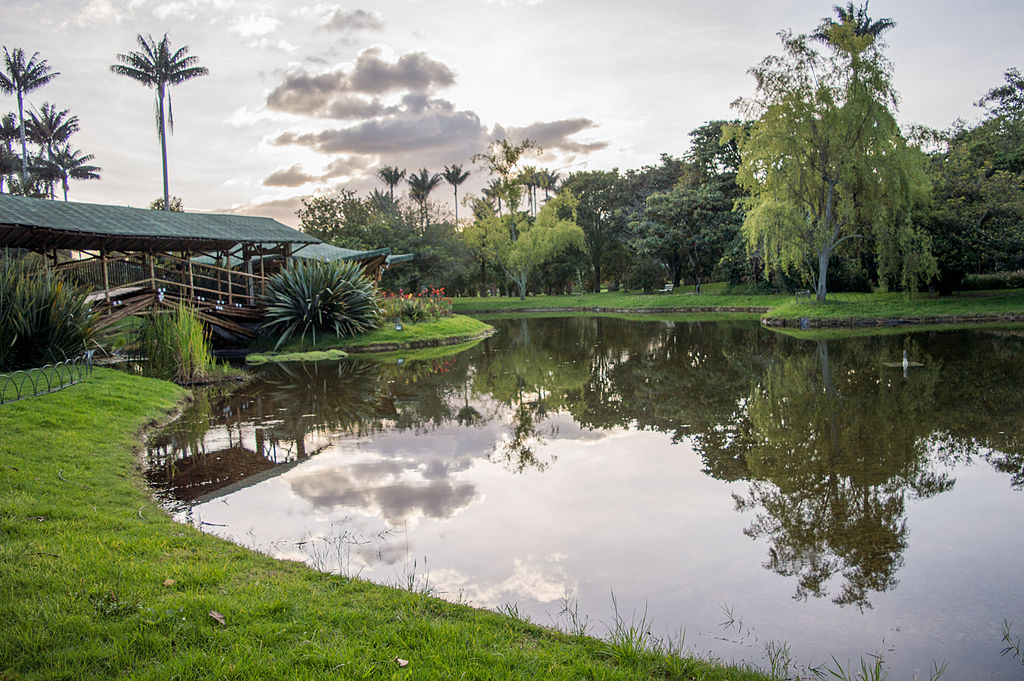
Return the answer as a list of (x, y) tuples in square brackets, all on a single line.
[(40, 224)]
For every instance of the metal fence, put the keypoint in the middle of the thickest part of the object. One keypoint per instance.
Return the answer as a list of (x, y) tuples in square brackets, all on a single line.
[(19, 385)]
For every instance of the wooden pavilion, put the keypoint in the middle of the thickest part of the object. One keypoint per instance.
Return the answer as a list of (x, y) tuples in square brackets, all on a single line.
[(137, 260)]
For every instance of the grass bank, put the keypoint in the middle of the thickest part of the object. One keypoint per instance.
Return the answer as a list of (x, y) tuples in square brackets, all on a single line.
[(841, 309), (444, 331), (96, 581)]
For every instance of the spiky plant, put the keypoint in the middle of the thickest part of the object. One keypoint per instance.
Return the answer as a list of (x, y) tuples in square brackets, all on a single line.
[(312, 296), (43, 317)]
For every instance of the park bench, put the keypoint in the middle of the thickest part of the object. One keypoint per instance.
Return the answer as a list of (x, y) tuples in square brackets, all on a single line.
[(667, 288)]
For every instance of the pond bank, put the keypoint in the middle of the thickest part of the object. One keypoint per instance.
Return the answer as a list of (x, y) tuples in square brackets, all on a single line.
[(841, 310), (441, 332), (100, 582)]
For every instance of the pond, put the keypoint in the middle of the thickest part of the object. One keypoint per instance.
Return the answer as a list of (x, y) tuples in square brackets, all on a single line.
[(727, 485)]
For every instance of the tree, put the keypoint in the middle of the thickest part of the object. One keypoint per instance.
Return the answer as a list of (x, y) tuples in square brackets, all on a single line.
[(598, 213), (455, 176), (420, 186), (156, 66), (22, 77), (75, 165), (175, 205), (50, 129), (391, 176), (9, 161), (687, 227), (824, 159), (519, 244), (502, 161)]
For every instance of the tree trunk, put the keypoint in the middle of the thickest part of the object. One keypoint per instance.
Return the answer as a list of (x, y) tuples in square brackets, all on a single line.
[(483, 276), (456, 188), (163, 148), (597, 277), (24, 147), (823, 258)]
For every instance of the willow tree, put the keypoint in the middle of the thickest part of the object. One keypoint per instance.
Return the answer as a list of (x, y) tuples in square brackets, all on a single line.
[(824, 160)]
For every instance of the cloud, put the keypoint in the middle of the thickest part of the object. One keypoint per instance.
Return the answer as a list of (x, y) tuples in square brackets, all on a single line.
[(345, 21), (334, 94), (295, 176), (253, 25), (288, 177), (554, 135), (436, 127), (282, 210)]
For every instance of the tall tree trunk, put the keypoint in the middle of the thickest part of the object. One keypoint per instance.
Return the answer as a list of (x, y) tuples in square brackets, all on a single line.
[(163, 148), (456, 188), (483, 275), (24, 147)]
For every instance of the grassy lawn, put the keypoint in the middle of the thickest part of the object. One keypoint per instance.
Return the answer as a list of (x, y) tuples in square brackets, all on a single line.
[(96, 581), (839, 306)]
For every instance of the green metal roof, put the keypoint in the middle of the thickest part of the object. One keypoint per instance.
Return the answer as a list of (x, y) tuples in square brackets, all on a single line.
[(324, 251), (40, 223)]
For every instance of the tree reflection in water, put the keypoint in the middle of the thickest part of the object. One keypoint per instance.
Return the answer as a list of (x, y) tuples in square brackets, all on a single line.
[(832, 442)]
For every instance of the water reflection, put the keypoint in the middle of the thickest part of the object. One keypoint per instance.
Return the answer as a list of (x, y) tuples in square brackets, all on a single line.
[(820, 448)]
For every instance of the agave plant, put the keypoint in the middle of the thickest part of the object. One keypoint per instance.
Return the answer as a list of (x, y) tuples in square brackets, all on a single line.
[(313, 296), (43, 317)]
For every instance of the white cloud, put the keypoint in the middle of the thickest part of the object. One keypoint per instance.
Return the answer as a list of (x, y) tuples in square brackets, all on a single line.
[(254, 25)]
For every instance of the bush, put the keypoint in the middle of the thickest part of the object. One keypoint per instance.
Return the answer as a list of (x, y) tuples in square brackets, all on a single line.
[(647, 274), (176, 346), (311, 296), (425, 305), (43, 317), (995, 280)]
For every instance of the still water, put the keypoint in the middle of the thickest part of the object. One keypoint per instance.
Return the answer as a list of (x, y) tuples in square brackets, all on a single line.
[(717, 480)]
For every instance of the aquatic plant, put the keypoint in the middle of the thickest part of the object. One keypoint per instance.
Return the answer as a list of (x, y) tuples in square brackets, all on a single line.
[(316, 296), (176, 345), (43, 317)]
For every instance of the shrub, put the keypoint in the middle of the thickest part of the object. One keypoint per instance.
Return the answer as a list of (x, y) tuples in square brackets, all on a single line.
[(428, 304), (647, 274), (43, 317), (995, 280), (313, 296), (176, 346)]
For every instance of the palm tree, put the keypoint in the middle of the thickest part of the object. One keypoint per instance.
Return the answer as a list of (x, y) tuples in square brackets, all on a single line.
[(455, 176), (22, 77), (420, 186), (9, 161), (858, 16), (548, 182), (73, 165), (391, 176), (157, 67), (493, 193), (50, 129)]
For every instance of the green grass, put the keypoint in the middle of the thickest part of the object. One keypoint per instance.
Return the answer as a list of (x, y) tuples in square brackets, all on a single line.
[(96, 581), (445, 330), (311, 356), (428, 353), (840, 308)]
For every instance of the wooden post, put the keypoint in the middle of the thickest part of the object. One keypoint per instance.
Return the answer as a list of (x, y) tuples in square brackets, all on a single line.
[(152, 271), (191, 278), (263, 274), (106, 275), (247, 256)]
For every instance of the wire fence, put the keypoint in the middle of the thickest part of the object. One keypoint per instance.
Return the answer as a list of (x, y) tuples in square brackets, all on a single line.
[(26, 383)]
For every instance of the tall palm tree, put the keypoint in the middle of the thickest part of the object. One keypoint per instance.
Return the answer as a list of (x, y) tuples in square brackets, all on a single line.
[(420, 186), (22, 77), (493, 193), (455, 176), (73, 165), (391, 176), (157, 67), (49, 129)]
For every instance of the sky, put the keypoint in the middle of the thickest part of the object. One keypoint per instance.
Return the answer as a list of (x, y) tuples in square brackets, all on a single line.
[(305, 98)]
